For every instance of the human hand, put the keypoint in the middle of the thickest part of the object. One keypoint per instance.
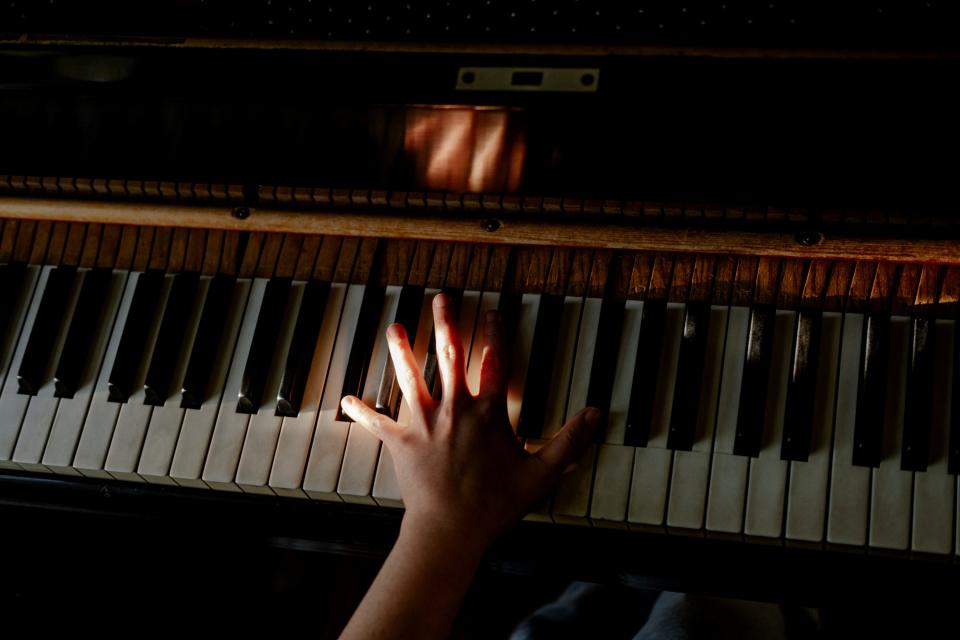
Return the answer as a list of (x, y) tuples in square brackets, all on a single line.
[(460, 468)]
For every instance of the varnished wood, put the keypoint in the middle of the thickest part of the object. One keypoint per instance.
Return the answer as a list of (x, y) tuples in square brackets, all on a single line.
[(420, 263), (928, 289), (73, 249), (41, 240), (950, 290), (602, 267), (196, 250), (838, 287), (160, 253), (815, 284), (366, 256), (906, 289), (109, 243), (440, 265), (661, 276), (230, 255), (723, 282), (791, 284), (530, 231), (24, 242), (347, 251), (328, 256), (536, 276), (289, 252), (701, 282), (681, 278), (249, 252), (556, 283), (178, 250), (860, 286), (91, 246), (269, 255), (768, 281), (129, 238), (884, 284), (58, 240), (213, 252), (640, 276), (307, 258), (745, 279), (467, 266), (579, 272), (497, 269), (8, 239)]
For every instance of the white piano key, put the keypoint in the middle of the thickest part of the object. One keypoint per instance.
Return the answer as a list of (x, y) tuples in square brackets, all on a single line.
[(330, 434), (13, 405), (471, 324), (892, 488), (163, 430), (293, 445), (849, 484), (571, 503), (263, 430), (197, 428), (650, 484), (728, 473), (386, 490), (93, 430), (10, 337), (556, 409), (220, 467), (362, 449), (691, 469), (807, 487), (134, 417), (611, 484), (488, 302), (766, 484), (933, 490), (57, 432)]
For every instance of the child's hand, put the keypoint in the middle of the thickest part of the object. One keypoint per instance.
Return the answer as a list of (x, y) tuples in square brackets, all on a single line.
[(461, 470)]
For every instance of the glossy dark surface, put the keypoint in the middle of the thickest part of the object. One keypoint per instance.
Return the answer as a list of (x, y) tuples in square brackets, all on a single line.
[(43, 334), (75, 356), (756, 375)]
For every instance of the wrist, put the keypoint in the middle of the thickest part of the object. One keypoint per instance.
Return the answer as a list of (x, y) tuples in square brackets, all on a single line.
[(444, 536)]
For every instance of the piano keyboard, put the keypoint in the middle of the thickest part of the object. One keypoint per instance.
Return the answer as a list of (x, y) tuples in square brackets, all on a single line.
[(769, 418)]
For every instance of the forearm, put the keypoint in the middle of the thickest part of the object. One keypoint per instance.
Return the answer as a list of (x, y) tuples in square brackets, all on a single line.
[(418, 592)]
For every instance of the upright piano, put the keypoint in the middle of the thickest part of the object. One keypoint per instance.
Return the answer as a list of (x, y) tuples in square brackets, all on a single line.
[(730, 225)]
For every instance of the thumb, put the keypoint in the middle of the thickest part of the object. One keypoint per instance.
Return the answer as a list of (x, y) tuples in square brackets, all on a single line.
[(570, 441)]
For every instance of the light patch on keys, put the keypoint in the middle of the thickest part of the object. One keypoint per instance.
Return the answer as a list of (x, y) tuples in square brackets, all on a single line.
[(520, 358), (489, 301)]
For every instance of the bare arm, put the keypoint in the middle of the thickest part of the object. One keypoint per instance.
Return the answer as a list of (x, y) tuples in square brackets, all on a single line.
[(463, 476)]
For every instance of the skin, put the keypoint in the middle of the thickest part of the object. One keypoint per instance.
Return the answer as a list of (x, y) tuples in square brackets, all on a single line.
[(463, 475)]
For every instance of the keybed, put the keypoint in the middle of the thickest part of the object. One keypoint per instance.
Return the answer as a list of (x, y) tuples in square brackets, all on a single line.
[(217, 360)]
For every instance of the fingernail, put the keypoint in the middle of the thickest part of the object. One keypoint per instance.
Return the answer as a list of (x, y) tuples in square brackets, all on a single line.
[(395, 331), (441, 300)]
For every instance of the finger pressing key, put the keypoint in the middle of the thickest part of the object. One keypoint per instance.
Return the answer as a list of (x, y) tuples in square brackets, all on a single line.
[(376, 423), (449, 346), (493, 380), (409, 378)]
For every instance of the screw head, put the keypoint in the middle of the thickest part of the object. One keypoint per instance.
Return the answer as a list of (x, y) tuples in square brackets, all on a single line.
[(241, 213), (809, 238), (490, 224)]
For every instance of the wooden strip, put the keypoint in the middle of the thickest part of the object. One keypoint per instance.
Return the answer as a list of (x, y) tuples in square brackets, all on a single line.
[(8, 239), (396, 267), (420, 263), (839, 244), (141, 255), (230, 255), (726, 274), (196, 249), (178, 249), (160, 254), (212, 252), (950, 291), (307, 258), (682, 275), (559, 272), (884, 284), (468, 265), (661, 276), (929, 288), (267, 264), (791, 284), (536, 276), (41, 240), (497, 269), (815, 284), (439, 265), (347, 250), (745, 280), (126, 251), (289, 253), (838, 288), (579, 272), (640, 276), (768, 280), (91, 246), (248, 251), (74, 246), (365, 258), (109, 243), (24, 245), (860, 285), (328, 255), (701, 282), (906, 290), (599, 273), (58, 240)]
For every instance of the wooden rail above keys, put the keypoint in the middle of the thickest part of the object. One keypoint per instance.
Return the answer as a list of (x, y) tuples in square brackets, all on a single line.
[(818, 282), (622, 233)]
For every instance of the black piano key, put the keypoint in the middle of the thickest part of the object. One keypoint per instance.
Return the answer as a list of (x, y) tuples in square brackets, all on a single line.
[(76, 349), (918, 412), (645, 374), (408, 315), (257, 368), (686, 396), (605, 355), (143, 308), (430, 370), (509, 308), (753, 390), (543, 352), (953, 460), (213, 318), (360, 351), (169, 346), (802, 387), (868, 428), (302, 346), (11, 283), (46, 326)]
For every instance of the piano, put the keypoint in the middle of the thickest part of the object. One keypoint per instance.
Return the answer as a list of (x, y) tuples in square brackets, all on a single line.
[(733, 229)]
